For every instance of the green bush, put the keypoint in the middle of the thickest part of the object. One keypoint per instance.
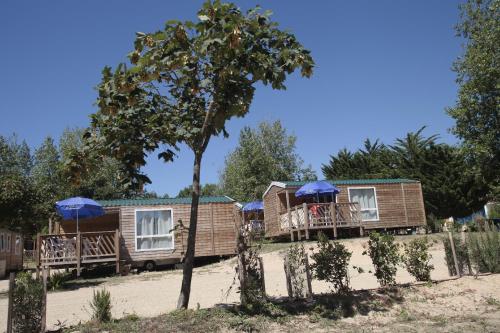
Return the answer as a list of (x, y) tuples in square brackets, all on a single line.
[(27, 304), (384, 253), (416, 259), (461, 252), (484, 248), (57, 280), (331, 263), (101, 306)]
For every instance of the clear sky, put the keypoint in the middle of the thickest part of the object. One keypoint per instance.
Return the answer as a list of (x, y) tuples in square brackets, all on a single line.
[(382, 69)]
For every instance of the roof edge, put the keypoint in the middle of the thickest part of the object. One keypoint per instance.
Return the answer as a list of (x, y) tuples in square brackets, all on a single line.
[(274, 183)]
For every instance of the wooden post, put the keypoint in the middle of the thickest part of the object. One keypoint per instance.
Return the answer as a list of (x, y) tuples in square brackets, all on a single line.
[(464, 243), (298, 222), (333, 213), (261, 266), (452, 244), (38, 250), (306, 219), (44, 301), (286, 264), (242, 278), (50, 225), (12, 285), (308, 277), (78, 253), (289, 214), (117, 250)]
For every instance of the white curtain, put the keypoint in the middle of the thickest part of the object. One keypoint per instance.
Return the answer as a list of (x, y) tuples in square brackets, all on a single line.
[(366, 199), (154, 223)]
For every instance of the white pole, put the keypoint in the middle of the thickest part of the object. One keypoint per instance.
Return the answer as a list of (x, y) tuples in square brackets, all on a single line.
[(77, 221)]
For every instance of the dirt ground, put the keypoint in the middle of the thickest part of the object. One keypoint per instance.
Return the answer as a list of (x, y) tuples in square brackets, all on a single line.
[(152, 293)]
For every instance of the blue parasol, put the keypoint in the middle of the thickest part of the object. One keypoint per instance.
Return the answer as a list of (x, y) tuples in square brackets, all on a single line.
[(317, 188), (77, 207), (253, 206)]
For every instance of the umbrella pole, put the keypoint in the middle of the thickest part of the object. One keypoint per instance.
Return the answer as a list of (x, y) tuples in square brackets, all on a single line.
[(77, 221)]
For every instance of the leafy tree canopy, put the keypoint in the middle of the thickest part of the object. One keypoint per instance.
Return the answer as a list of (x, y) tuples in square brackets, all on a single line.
[(263, 155), (205, 190), (477, 110), (32, 183)]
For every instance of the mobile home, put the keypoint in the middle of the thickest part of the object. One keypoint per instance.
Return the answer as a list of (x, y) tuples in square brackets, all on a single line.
[(143, 233), (362, 204), (11, 251)]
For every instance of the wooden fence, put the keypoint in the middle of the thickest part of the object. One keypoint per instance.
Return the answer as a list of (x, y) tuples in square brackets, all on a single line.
[(78, 248), (321, 216)]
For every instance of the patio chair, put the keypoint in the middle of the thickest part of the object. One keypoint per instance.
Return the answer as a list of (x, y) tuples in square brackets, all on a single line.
[(55, 249)]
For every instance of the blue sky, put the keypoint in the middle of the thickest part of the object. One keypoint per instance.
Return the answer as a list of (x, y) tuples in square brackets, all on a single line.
[(382, 69)]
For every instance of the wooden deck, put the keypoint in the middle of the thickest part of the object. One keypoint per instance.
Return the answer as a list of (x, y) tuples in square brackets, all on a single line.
[(78, 249), (316, 216)]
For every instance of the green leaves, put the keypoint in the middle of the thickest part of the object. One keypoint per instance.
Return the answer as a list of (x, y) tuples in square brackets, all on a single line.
[(263, 155), (187, 80), (477, 111)]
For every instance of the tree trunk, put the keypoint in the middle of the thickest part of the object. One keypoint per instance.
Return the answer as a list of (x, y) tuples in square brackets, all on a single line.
[(187, 271)]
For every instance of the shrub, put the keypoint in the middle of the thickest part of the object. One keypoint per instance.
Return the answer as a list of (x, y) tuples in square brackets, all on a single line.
[(331, 263), (384, 253), (461, 252), (296, 256), (416, 259), (57, 280), (484, 249), (27, 304), (101, 306)]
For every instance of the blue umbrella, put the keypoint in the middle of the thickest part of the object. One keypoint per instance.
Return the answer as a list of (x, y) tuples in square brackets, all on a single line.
[(253, 206), (77, 207), (317, 188)]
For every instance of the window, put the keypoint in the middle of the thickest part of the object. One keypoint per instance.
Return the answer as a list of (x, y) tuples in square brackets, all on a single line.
[(18, 244), (8, 248), (367, 199), (2, 242), (153, 230)]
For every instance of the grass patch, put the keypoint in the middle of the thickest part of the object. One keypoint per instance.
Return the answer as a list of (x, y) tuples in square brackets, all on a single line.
[(490, 300), (281, 313)]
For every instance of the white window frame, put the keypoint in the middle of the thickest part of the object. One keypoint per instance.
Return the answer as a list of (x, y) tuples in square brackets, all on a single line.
[(8, 247), (361, 209), (171, 234), (18, 245)]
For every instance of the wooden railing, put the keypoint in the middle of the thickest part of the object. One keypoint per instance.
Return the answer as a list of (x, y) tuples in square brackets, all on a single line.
[(321, 215), (78, 248)]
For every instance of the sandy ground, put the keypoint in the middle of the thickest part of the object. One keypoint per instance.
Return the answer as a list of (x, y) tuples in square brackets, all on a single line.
[(153, 293)]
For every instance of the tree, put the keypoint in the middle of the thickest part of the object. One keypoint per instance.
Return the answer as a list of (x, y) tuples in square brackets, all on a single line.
[(205, 190), (263, 155), (16, 194), (91, 175), (47, 180), (477, 110), (183, 84)]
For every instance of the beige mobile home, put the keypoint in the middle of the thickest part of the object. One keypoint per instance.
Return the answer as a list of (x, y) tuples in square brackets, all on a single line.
[(142, 232), (362, 204)]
